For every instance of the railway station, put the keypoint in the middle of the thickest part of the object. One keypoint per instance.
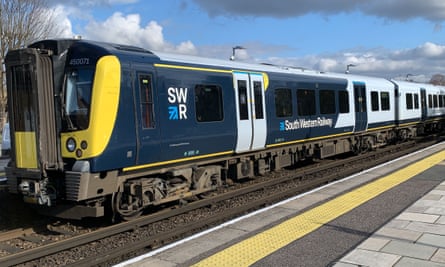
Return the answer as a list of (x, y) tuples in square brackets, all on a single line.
[(139, 140), (390, 215), (170, 157)]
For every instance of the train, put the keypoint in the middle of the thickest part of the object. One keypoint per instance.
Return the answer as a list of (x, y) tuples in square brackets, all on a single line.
[(100, 127)]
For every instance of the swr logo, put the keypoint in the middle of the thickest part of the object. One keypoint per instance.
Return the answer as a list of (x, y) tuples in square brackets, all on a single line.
[(178, 98)]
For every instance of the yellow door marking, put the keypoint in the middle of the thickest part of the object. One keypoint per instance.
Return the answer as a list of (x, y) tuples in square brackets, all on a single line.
[(259, 246), (25, 150)]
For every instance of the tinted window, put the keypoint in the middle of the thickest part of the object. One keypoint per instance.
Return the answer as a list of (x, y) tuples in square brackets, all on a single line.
[(327, 102), (242, 98), (306, 102), (258, 91), (374, 101), (283, 103), (384, 100), (208, 103), (343, 101), (409, 101), (360, 98)]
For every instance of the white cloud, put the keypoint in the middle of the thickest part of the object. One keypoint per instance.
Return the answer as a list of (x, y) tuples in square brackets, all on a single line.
[(424, 60), (128, 30), (431, 50), (327, 64), (64, 27)]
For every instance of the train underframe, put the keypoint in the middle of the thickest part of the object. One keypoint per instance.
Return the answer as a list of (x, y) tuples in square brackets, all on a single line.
[(129, 194)]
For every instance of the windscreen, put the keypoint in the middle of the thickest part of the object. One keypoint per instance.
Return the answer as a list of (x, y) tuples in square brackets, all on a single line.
[(78, 87)]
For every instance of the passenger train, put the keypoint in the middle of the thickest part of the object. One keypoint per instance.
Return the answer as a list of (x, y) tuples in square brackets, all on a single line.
[(100, 126)]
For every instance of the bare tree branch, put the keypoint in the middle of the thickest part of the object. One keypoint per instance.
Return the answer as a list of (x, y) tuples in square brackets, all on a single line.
[(438, 79), (21, 23)]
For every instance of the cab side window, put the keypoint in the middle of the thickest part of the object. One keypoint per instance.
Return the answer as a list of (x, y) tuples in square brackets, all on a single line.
[(146, 96)]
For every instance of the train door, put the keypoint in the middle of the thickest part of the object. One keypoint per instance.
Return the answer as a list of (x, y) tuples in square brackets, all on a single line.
[(148, 144), (31, 110), (361, 116), (251, 113), (423, 105)]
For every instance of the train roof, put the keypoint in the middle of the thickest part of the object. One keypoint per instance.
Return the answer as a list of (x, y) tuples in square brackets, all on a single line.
[(233, 64), (127, 50), (173, 58)]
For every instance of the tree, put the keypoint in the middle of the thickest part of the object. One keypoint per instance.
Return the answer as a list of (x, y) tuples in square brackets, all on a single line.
[(21, 23), (438, 79)]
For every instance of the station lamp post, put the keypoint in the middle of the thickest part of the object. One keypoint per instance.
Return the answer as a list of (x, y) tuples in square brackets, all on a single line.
[(233, 51), (349, 66)]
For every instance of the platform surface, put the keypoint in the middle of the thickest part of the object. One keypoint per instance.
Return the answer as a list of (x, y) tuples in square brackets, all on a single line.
[(391, 215)]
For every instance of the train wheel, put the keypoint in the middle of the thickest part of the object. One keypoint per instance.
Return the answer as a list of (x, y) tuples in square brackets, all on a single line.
[(127, 207)]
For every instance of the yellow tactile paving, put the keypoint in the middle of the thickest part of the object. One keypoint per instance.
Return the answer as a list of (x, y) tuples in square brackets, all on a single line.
[(259, 246)]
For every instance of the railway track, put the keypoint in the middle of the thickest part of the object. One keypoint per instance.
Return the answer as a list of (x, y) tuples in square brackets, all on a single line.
[(114, 243)]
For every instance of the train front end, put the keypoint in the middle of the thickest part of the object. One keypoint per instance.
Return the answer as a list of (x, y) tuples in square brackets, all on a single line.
[(56, 94)]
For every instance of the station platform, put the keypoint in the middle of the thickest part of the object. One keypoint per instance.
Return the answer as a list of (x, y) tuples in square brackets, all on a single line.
[(390, 215)]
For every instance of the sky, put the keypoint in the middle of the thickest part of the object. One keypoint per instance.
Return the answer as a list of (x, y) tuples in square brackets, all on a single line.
[(390, 38)]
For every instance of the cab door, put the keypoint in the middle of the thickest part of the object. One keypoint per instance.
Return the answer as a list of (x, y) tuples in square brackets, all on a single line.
[(251, 113), (147, 129)]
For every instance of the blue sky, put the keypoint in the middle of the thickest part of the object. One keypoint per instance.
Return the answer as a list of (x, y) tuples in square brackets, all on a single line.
[(383, 38)]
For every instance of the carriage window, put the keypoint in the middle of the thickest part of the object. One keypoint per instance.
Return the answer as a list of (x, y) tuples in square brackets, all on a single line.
[(208, 103), (435, 101), (242, 99), (384, 100), (440, 101), (327, 102), (283, 102), (416, 101), (409, 101), (146, 95), (343, 101), (258, 94), (306, 102), (374, 101), (430, 101)]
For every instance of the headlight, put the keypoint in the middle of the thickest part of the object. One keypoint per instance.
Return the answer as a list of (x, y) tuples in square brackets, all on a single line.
[(84, 145), (71, 144)]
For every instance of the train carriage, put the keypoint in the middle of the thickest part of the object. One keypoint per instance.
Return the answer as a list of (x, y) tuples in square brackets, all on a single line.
[(410, 109), (434, 100), (433, 108)]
